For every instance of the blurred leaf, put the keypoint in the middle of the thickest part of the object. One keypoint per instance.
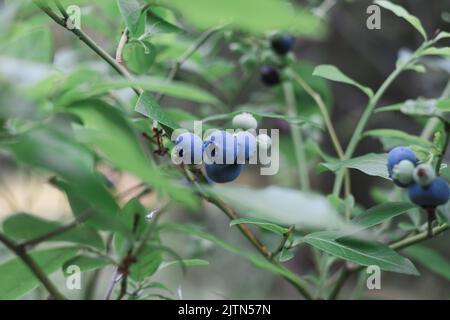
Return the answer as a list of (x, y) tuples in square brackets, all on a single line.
[(402, 13), (58, 153), (185, 262), (24, 226), (372, 164), (382, 212), (391, 138), (85, 263), (442, 35), (282, 206), (444, 105), (173, 88), (256, 260), (122, 148), (155, 24), (139, 56), (32, 44), (17, 279), (334, 74), (131, 12), (429, 259), (361, 252), (266, 15), (264, 224), (433, 51)]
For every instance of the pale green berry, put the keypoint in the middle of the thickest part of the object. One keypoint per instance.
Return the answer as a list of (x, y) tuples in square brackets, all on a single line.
[(245, 121), (264, 141), (403, 172), (424, 174)]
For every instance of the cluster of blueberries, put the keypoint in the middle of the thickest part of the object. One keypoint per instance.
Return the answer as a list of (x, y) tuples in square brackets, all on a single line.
[(281, 45), (424, 187), (224, 154)]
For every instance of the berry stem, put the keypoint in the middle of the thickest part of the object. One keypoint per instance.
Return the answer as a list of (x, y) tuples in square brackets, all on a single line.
[(373, 102), (297, 137)]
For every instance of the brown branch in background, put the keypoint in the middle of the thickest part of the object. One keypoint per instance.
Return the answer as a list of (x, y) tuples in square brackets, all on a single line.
[(121, 46)]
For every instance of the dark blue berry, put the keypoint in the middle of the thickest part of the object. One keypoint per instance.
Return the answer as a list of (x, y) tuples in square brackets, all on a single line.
[(189, 147), (222, 173), (436, 194), (269, 75), (282, 44), (398, 154)]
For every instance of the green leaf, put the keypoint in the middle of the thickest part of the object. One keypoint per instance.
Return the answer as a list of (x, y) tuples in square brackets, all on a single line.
[(383, 212), (24, 226), (85, 263), (17, 279), (361, 252), (139, 56), (334, 74), (393, 138), (147, 106), (266, 15), (58, 153), (372, 164), (256, 260), (122, 148), (402, 13), (184, 262), (264, 224), (32, 44), (147, 264), (433, 51), (176, 89), (444, 105), (156, 24), (282, 206), (131, 12), (429, 259), (442, 35)]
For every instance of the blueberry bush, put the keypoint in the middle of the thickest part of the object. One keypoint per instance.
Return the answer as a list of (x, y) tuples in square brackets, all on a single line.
[(100, 108)]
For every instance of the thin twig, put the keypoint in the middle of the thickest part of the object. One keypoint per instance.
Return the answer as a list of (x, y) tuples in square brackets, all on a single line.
[(187, 54), (58, 231), (121, 46), (33, 266)]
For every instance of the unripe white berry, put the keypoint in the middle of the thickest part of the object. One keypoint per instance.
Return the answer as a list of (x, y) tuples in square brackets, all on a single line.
[(245, 121), (264, 141), (424, 174), (403, 172)]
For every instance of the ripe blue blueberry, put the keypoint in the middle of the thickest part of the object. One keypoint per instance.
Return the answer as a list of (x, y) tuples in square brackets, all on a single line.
[(282, 44), (246, 146), (222, 173), (398, 154), (188, 148), (269, 75), (436, 194), (220, 148)]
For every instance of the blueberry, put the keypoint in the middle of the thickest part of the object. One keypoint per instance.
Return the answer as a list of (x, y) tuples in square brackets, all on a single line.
[(222, 173), (398, 154), (269, 75), (220, 148), (246, 146), (436, 194), (282, 44), (402, 173), (244, 121), (189, 148), (424, 174)]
